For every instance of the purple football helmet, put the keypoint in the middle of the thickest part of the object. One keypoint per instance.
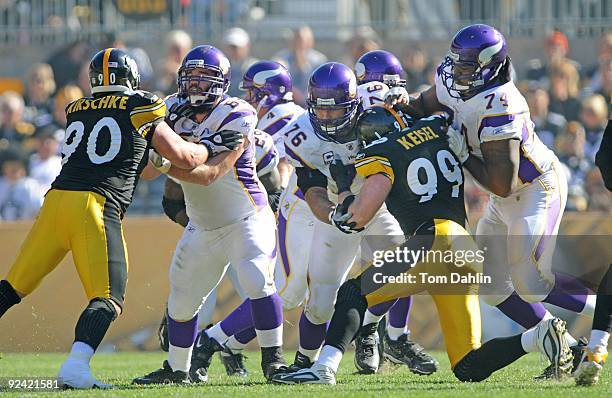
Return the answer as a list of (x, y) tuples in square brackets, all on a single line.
[(477, 54), (267, 83), (333, 102), (204, 77), (380, 66)]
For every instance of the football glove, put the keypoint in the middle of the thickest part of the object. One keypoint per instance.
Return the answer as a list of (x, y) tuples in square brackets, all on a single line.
[(339, 217), (457, 144), (342, 174), (217, 142), (159, 162), (178, 112), (397, 95), (274, 198)]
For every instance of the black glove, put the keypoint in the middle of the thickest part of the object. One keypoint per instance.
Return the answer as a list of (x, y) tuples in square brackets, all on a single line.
[(178, 111), (339, 217), (342, 174), (274, 198), (217, 142)]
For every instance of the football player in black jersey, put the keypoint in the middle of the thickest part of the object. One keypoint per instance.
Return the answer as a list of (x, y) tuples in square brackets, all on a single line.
[(108, 136), (416, 174)]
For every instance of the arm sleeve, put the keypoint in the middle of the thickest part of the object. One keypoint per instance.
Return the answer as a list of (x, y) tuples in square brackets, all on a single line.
[(368, 164), (308, 178)]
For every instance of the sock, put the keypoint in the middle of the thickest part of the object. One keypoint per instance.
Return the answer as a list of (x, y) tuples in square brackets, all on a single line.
[(395, 333), (94, 322), (182, 334), (179, 358), (81, 352), (311, 337), (238, 342), (569, 293), (330, 357), (599, 338), (399, 313), (216, 332), (493, 355), (602, 318), (238, 320), (525, 314), (8, 297), (348, 315), (268, 320), (375, 313), (529, 340)]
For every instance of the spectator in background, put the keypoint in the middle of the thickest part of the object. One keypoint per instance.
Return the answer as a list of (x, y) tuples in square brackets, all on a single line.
[(40, 86), (301, 59), (363, 40), (600, 199), (570, 150), (556, 49), (594, 117), (604, 52), (19, 195), (602, 81), (564, 89), (46, 163), (64, 96), (237, 47), (178, 44), (13, 128), (83, 80), (66, 62), (417, 66), (548, 125), (145, 69)]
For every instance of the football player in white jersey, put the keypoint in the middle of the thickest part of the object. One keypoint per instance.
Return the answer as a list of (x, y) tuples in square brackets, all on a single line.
[(230, 222), (379, 74), (497, 144)]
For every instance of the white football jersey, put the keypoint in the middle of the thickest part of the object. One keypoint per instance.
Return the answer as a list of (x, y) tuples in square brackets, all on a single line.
[(238, 194), (305, 149), (372, 93), (276, 119), (499, 113), (266, 154)]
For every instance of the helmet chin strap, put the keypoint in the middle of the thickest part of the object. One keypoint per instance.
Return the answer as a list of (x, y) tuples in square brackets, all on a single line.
[(260, 104)]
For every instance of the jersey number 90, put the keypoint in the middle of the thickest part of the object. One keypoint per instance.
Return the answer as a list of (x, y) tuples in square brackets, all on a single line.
[(76, 130), (429, 187)]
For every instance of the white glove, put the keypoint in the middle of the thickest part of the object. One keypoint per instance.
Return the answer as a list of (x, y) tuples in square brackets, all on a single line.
[(397, 94), (457, 144), (159, 162), (339, 217), (217, 142)]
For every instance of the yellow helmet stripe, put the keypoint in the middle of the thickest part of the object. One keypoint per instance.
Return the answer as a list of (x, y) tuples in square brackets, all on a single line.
[(107, 54), (397, 117)]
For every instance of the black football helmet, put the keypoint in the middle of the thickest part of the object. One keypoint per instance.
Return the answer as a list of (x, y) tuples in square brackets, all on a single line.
[(111, 70), (376, 122)]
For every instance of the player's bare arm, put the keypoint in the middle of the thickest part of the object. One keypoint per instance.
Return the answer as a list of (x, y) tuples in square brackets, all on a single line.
[(498, 171), (209, 172), (180, 153), (424, 105), (284, 169), (371, 197), (173, 202)]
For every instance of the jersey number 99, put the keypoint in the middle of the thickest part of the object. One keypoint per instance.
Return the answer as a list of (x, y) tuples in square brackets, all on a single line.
[(429, 187)]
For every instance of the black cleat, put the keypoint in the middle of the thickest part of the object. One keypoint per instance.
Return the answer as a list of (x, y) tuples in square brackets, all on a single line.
[(301, 361), (272, 362), (162, 333), (203, 351), (367, 358), (549, 372), (234, 363), (165, 375), (409, 353)]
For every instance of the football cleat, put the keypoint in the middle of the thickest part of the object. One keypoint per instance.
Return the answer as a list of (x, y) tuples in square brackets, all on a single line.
[(162, 334), (317, 374), (301, 361), (577, 352), (367, 357), (272, 362), (234, 363), (75, 374), (409, 353), (553, 344), (165, 375), (590, 367), (203, 351)]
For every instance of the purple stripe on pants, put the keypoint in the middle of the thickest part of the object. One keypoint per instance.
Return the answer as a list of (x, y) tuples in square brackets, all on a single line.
[(282, 238), (552, 217), (182, 334), (399, 313), (238, 320), (267, 312)]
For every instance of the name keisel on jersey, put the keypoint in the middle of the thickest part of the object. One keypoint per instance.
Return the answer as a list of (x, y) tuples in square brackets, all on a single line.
[(415, 137)]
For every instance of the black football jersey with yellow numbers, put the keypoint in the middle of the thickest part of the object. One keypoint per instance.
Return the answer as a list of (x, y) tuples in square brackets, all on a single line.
[(106, 141), (427, 177)]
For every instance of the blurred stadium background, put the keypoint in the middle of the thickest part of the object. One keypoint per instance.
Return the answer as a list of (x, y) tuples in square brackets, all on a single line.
[(562, 55)]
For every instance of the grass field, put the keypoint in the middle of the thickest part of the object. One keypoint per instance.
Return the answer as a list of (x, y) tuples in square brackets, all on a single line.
[(119, 369)]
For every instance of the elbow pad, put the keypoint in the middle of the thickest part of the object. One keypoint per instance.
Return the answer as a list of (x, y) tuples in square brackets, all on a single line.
[(308, 178), (172, 207)]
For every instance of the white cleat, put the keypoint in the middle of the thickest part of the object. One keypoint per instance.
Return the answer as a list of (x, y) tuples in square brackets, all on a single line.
[(317, 374), (590, 367), (553, 344), (76, 374)]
